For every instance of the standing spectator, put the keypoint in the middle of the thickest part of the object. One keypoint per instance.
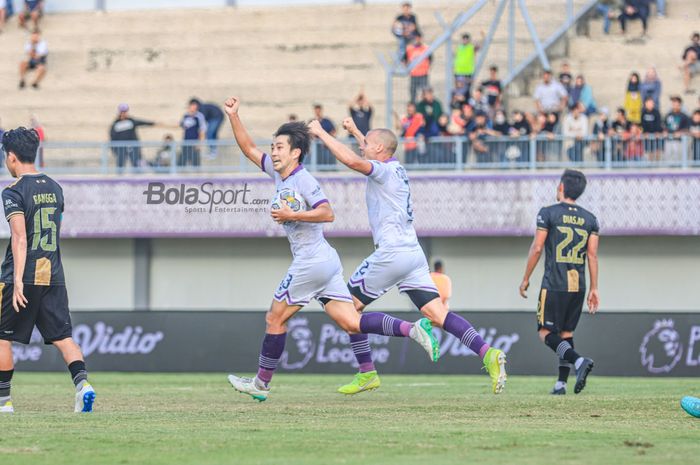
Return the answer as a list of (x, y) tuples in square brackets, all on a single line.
[(548, 146), (442, 282), (582, 93), (691, 61), (576, 128), (493, 88), (405, 27), (194, 128), (123, 130), (500, 123), (676, 122), (411, 127), (601, 129), (520, 129), (661, 8), (213, 116), (634, 145), (431, 109), (550, 96), (324, 156), (459, 95), (479, 101), (361, 112), (34, 10), (609, 10), (37, 50), (565, 77), (695, 133), (465, 60), (635, 9), (419, 75), (3, 14), (633, 99), (479, 137), (619, 127), (652, 127), (651, 86), (326, 124), (39, 128)]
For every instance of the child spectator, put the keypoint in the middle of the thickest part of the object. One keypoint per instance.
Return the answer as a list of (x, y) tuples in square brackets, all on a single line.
[(651, 86), (676, 122), (565, 77), (691, 61), (633, 99), (456, 124), (619, 127), (478, 101), (582, 93), (634, 146), (166, 154), (601, 129), (492, 88)]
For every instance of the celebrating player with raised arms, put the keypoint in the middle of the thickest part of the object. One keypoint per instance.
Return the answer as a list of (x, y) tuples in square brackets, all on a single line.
[(398, 259), (316, 271), (32, 286), (567, 233)]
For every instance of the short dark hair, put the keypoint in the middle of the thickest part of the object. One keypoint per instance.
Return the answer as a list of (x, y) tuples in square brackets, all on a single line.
[(493, 68), (195, 100), (574, 183), (299, 136), (437, 265), (466, 36), (23, 142)]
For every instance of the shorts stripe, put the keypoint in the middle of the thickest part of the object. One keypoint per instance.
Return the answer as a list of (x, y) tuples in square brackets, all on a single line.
[(286, 297), (361, 285)]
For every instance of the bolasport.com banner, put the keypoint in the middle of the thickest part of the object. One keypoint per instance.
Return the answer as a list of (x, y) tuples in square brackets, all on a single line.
[(622, 344)]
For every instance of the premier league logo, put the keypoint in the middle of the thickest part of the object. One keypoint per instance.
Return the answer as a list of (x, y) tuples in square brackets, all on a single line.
[(661, 348), (300, 345)]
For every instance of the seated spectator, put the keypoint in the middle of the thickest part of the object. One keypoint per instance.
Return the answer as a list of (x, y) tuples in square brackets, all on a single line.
[(695, 134), (431, 109), (582, 93), (633, 100), (123, 130), (651, 86), (550, 96), (652, 127), (3, 14), (411, 128), (361, 112), (691, 61), (500, 123), (404, 27), (601, 129), (575, 129), (194, 128), (37, 51), (565, 77), (492, 88), (166, 154), (635, 9), (479, 101), (34, 10), (609, 10)]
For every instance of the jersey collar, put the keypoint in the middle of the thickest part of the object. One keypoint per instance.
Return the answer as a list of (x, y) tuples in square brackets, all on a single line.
[(294, 171)]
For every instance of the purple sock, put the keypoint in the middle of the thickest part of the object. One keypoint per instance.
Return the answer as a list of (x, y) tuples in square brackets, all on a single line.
[(381, 323), (362, 351), (465, 332), (272, 348)]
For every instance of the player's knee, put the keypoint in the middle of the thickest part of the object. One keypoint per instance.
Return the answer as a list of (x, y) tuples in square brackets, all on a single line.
[(435, 311), (566, 334), (543, 333)]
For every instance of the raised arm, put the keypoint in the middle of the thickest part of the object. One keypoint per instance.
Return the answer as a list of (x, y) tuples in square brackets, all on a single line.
[(351, 128), (532, 258), (592, 252), (340, 151), (245, 142)]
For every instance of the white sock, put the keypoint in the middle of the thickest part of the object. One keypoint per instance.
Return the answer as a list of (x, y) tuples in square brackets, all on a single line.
[(5, 399), (578, 363), (560, 385)]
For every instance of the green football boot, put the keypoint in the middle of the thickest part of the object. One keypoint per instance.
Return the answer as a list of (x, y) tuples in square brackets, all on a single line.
[(368, 381), (422, 333), (495, 364)]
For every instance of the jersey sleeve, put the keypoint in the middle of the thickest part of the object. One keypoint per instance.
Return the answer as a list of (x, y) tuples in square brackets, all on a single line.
[(12, 201), (543, 220), (311, 191), (380, 171), (266, 165), (595, 227)]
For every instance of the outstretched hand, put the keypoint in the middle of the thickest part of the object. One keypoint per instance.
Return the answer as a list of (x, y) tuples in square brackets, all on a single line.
[(231, 105), (315, 128)]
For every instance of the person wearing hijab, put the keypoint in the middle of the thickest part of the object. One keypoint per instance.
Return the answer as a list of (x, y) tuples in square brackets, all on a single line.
[(633, 100)]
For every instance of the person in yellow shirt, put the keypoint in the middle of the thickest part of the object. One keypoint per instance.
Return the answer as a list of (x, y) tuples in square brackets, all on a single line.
[(442, 282)]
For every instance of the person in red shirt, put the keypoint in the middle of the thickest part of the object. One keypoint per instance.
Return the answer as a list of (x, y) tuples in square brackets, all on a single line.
[(36, 125), (419, 74), (411, 128)]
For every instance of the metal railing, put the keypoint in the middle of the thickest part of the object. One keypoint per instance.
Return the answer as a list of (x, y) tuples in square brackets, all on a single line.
[(438, 153)]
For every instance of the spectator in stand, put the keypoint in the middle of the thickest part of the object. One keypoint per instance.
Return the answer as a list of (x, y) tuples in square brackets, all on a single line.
[(37, 51), (582, 93), (635, 9), (479, 137), (492, 88), (465, 61), (695, 133), (166, 154), (459, 95), (601, 130), (443, 123), (39, 128), (194, 128), (550, 96), (652, 127), (419, 75), (456, 123), (123, 130), (521, 129), (292, 117), (479, 101), (651, 86), (676, 122), (634, 145), (411, 127), (213, 116), (431, 109), (2, 131), (609, 10), (405, 27), (565, 77), (34, 10), (548, 147), (633, 99), (324, 156), (468, 118), (3, 14), (661, 8), (361, 110), (500, 123), (442, 282), (575, 129), (691, 61), (619, 127)]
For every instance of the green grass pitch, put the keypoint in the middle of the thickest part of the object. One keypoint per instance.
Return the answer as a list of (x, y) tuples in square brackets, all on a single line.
[(199, 419)]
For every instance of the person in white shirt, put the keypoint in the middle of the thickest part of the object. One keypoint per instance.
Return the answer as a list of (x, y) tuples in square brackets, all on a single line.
[(575, 130), (37, 50), (550, 96)]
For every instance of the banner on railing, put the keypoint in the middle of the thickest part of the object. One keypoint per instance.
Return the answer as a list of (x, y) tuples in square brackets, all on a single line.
[(443, 205), (652, 344)]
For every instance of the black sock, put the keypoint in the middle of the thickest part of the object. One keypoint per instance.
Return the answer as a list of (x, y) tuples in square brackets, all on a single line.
[(564, 366), (561, 347), (78, 371), (5, 380)]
